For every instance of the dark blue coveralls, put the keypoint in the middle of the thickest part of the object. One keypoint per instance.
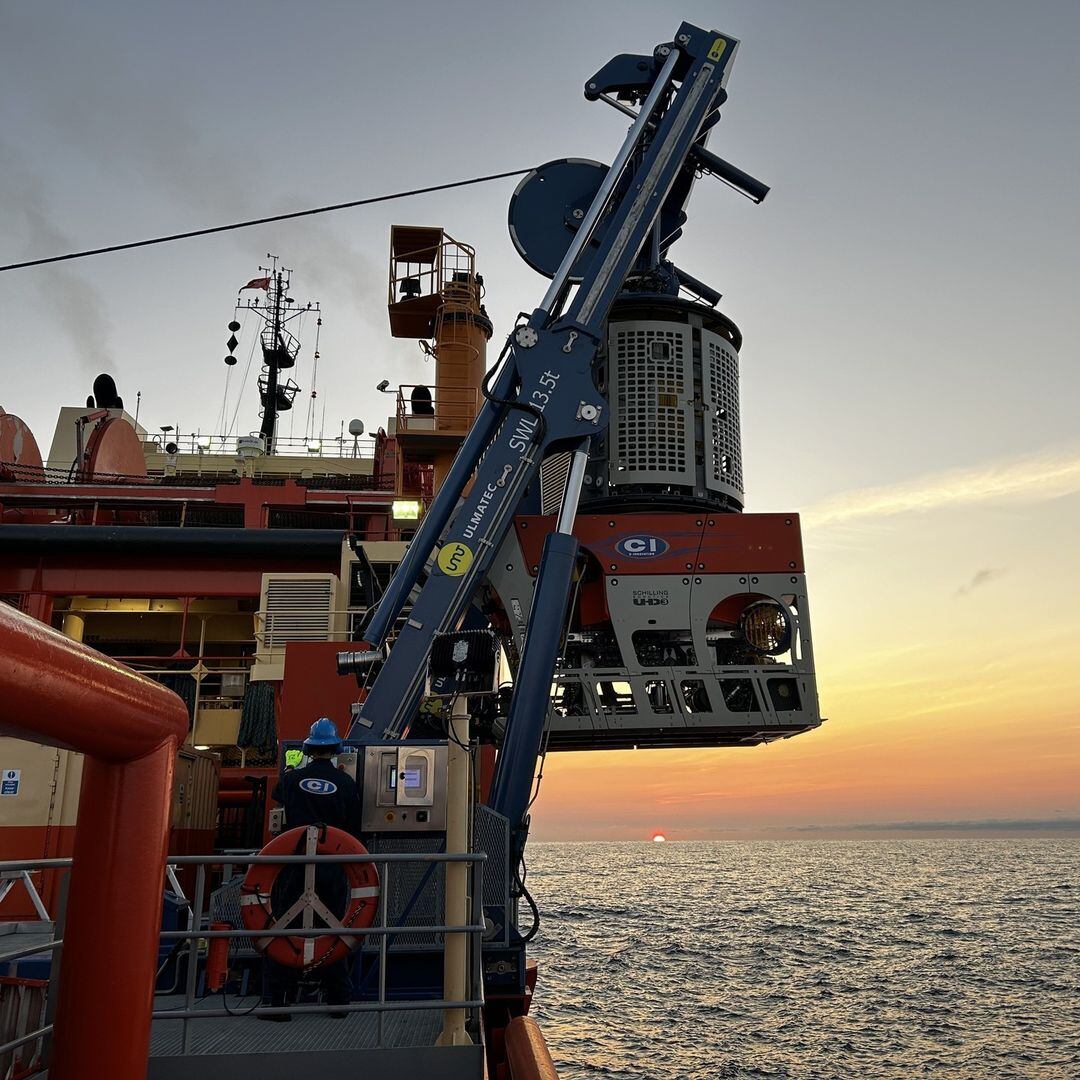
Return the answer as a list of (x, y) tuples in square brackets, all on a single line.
[(318, 794)]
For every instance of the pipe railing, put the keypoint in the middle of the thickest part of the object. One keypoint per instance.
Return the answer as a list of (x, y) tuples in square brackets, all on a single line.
[(316, 446), (384, 930), (61, 693)]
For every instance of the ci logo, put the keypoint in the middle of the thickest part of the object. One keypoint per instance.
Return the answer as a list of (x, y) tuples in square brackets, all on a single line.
[(318, 787), (641, 547), (455, 559)]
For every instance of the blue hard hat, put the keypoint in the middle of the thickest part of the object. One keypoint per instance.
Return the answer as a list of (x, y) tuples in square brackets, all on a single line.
[(323, 732)]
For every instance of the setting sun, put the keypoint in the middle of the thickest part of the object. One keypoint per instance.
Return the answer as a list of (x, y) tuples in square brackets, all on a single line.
[(659, 838)]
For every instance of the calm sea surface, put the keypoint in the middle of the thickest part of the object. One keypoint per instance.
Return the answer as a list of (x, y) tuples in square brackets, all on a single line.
[(688, 961)]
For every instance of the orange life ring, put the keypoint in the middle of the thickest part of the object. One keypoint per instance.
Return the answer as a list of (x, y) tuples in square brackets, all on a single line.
[(257, 901)]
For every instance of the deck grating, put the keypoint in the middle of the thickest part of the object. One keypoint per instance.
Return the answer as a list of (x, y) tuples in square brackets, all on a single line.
[(248, 1034)]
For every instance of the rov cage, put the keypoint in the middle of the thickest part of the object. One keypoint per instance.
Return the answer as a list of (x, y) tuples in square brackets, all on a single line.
[(670, 372)]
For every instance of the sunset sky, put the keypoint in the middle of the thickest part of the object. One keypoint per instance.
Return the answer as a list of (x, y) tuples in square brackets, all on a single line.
[(907, 295)]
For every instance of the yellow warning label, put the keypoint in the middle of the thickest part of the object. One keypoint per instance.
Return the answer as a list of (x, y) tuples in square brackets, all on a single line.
[(718, 47), (455, 559)]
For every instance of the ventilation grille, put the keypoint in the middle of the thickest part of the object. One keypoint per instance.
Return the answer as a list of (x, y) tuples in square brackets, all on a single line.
[(297, 607), (652, 383), (553, 473), (723, 441)]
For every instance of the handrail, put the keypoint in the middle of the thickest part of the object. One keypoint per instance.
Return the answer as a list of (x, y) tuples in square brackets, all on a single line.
[(452, 408), (60, 692), (30, 950), (229, 857), (336, 447), (275, 629), (384, 930)]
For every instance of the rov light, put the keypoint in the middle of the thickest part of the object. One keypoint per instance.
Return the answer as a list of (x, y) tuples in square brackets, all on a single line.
[(406, 510), (204, 442), (766, 627), (313, 446)]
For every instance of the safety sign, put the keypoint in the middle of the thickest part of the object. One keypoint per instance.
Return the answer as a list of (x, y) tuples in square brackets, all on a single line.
[(9, 781)]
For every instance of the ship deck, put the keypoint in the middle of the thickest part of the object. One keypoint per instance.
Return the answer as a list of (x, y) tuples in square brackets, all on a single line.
[(248, 1034), (236, 1047)]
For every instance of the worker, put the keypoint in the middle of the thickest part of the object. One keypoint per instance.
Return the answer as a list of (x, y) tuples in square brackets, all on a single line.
[(317, 794)]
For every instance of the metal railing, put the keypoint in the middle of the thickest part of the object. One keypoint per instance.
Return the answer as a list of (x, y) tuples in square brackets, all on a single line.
[(337, 446), (383, 929), (276, 629), (42, 1034), (430, 269), (450, 410)]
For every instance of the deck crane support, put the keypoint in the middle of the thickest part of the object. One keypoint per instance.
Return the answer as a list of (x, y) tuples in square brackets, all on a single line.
[(543, 397)]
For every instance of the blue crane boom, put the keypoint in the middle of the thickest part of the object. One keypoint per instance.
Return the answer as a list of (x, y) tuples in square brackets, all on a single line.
[(543, 398)]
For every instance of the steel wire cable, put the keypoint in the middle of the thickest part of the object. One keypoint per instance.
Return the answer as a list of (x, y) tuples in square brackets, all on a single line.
[(211, 230)]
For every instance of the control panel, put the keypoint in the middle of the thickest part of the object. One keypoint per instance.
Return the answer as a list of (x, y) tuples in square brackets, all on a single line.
[(404, 788)]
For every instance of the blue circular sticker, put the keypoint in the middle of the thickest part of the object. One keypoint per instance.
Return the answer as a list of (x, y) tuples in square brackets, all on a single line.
[(641, 547), (318, 787)]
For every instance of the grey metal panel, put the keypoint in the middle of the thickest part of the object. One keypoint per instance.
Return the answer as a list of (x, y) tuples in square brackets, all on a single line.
[(225, 908), (652, 413), (627, 600), (416, 886), (491, 835), (431, 1063), (723, 438), (584, 715), (387, 807)]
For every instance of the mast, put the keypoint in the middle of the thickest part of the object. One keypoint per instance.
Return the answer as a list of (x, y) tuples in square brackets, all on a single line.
[(280, 347), (270, 399)]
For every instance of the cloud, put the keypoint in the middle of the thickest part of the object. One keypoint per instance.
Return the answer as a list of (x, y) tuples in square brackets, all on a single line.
[(979, 578), (1034, 479), (75, 304), (1062, 824)]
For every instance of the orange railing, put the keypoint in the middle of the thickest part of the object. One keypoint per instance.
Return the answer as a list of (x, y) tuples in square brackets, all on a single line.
[(450, 410), (430, 269), (56, 691)]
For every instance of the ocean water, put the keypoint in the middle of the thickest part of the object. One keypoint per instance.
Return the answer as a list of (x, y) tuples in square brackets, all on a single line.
[(875, 959)]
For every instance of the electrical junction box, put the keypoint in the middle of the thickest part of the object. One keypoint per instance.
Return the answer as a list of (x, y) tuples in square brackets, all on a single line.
[(404, 788), (233, 684)]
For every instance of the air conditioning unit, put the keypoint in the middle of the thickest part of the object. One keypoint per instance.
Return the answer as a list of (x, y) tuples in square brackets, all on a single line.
[(293, 607)]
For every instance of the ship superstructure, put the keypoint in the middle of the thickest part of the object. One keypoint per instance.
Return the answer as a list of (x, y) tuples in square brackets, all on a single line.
[(548, 554)]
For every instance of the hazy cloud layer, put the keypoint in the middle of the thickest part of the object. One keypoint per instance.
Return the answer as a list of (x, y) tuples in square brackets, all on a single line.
[(1033, 479), (978, 579), (1057, 825), (74, 304)]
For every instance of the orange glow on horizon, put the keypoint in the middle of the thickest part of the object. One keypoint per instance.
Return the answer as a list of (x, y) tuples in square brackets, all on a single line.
[(945, 653)]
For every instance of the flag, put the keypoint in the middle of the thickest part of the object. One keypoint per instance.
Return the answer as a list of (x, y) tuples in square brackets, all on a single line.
[(256, 283)]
